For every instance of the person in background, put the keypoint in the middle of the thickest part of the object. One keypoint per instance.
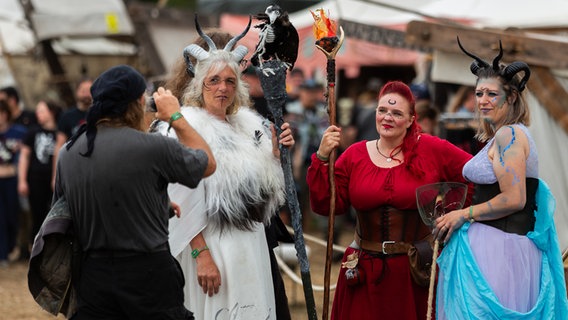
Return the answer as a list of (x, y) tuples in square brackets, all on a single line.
[(363, 118), (378, 178), (20, 115), (461, 125), (35, 164), (427, 118), (11, 136), (114, 177), (28, 120), (308, 118), (294, 80), (502, 258), (421, 92), (463, 102), (72, 119)]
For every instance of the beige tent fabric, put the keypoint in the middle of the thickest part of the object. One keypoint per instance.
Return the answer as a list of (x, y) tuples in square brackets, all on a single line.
[(552, 144)]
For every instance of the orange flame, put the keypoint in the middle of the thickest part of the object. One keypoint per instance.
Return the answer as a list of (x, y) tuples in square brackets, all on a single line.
[(323, 26)]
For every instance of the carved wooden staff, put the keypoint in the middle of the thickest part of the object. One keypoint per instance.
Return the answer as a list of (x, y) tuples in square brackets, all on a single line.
[(329, 45), (274, 87)]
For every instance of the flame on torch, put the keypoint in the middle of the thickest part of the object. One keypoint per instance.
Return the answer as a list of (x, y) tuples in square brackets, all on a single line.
[(323, 26), (325, 32)]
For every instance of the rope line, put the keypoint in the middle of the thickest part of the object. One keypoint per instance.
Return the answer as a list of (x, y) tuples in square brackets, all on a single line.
[(292, 274)]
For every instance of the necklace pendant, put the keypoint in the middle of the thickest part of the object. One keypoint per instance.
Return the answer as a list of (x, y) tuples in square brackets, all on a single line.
[(389, 159)]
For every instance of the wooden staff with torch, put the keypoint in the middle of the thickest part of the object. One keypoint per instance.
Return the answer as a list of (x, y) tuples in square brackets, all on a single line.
[(325, 31)]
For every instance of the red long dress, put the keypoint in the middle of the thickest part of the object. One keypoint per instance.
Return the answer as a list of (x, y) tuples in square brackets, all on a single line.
[(389, 291)]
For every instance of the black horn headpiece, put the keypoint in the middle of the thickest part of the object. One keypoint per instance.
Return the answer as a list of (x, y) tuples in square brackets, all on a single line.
[(506, 73)]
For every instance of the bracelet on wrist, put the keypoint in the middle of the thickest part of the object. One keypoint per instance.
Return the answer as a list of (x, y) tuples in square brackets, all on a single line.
[(175, 116), (321, 158), (471, 218), (196, 252)]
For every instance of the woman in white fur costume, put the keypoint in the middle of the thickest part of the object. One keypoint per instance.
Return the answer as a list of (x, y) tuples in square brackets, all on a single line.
[(226, 263)]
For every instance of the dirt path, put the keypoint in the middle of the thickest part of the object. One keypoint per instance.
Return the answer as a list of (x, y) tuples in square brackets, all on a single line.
[(15, 300)]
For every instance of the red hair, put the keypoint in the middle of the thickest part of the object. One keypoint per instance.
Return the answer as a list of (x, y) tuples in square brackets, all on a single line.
[(400, 88), (413, 132)]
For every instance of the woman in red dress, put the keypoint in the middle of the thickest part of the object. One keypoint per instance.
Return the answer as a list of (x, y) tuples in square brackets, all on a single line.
[(379, 179)]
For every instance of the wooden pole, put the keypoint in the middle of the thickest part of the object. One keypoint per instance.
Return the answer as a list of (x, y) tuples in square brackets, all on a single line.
[(331, 169)]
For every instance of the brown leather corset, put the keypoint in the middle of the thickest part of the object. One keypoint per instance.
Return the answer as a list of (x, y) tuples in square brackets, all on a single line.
[(390, 224)]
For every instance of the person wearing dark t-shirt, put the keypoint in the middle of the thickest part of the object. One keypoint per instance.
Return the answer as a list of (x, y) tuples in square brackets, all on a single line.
[(27, 120), (20, 115), (35, 163), (73, 118), (114, 177)]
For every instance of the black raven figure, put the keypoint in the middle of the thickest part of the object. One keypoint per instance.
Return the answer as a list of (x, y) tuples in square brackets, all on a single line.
[(278, 39)]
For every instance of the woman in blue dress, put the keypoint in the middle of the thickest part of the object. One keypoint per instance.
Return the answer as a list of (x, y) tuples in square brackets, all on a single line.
[(502, 259)]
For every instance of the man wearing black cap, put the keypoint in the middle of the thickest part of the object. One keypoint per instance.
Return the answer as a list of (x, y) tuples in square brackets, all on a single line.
[(114, 177)]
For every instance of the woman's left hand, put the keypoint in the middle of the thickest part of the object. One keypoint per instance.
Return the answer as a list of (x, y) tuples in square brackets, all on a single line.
[(445, 225), (286, 138)]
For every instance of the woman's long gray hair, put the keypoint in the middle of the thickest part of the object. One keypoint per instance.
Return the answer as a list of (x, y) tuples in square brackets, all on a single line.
[(212, 62), (217, 61)]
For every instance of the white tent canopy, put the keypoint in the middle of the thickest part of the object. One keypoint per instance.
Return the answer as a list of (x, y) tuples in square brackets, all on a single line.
[(56, 18), (502, 13), (364, 12), (75, 23), (480, 13)]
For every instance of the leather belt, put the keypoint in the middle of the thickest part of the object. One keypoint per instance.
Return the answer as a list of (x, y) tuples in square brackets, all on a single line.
[(385, 247)]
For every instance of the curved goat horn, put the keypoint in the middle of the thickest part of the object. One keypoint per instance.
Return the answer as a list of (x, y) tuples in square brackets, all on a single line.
[(511, 70), (196, 51), (498, 57), (188, 65), (205, 37), (477, 64), (239, 53), (232, 42)]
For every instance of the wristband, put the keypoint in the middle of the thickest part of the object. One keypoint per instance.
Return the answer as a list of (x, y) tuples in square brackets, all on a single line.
[(175, 116), (196, 252), (471, 219), (321, 158)]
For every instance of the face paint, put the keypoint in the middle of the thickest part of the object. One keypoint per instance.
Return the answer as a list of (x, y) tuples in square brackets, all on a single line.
[(502, 152), (490, 206), (493, 89), (508, 169), (516, 179), (393, 116)]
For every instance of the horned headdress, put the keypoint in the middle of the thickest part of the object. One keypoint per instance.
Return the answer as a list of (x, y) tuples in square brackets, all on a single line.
[(507, 73), (200, 54)]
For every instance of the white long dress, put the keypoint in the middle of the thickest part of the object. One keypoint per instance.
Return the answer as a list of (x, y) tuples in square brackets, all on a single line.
[(248, 181)]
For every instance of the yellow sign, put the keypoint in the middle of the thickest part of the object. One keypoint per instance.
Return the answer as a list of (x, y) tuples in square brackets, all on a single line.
[(112, 22)]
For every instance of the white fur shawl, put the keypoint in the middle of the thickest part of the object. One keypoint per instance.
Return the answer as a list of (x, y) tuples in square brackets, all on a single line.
[(248, 184)]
